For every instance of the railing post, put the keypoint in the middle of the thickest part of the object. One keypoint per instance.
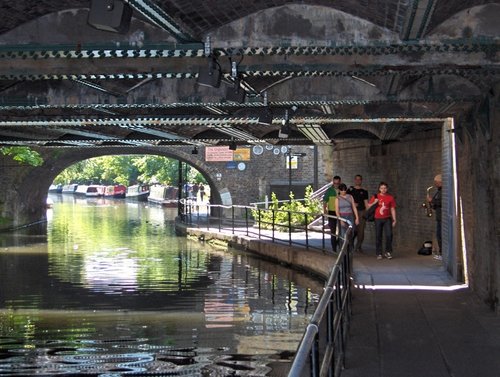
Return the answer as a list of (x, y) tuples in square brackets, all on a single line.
[(260, 218), (323, 231), (315, 357), (198, 218), (220, 221), (232, 218), (331, 327), (307, 233), (246, 218), (273, 223), (289, 227)]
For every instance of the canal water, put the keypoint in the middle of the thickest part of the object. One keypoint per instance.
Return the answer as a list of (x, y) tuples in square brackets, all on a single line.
[(106, 288)]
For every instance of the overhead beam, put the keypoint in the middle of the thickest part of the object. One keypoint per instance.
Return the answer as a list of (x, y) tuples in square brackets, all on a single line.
[(100, 88), (166, 50), (159, 17), (457, 56), (418, 18), (207, 121), (222, 108), (315, 133)]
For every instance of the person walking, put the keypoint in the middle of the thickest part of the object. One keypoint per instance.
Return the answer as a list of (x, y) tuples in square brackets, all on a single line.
[(345, 207), (435, 202), (329, 209), (385, 219), (201, 190), (360, 196)]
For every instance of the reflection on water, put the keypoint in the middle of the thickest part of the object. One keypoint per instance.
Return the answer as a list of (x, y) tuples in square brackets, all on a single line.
[(108, 289)]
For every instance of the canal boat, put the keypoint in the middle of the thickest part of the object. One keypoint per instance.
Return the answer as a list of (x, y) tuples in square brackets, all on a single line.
[(69, 189), (81, 190), (56, 189), (94, 191), (165, 196), (138, 193), (115, 191)]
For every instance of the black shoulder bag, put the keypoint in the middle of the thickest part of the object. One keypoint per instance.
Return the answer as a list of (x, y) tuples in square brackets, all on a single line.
[(370, 212)]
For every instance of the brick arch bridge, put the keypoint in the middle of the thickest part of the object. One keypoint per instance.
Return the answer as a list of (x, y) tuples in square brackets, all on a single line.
[(26, 187)]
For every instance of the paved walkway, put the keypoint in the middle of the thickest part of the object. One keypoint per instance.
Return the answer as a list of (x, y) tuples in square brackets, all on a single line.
[(411, 319)]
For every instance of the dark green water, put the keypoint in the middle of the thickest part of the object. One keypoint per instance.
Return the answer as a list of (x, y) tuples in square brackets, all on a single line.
[(108, 289)]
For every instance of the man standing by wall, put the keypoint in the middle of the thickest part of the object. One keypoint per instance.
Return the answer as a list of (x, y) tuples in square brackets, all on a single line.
[(360, 196), (329, 209), (435, 202)]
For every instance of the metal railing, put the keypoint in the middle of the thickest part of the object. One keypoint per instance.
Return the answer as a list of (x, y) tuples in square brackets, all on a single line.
[(288, 227), (321, 351)]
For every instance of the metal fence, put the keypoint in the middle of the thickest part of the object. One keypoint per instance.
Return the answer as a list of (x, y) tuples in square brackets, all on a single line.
[(321, 351), (288, 227)]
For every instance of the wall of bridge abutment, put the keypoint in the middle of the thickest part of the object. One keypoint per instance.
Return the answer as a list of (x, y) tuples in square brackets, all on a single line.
[(408, 166)]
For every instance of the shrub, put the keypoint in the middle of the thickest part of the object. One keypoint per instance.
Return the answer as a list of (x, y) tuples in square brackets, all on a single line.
[(297, 210)]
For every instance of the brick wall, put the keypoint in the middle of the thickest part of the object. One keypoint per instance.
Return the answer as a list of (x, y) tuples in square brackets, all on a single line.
[(263, 173), (408, 166), (478, 164)]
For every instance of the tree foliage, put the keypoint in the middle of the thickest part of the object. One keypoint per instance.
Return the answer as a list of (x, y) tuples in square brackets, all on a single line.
[(23, 155), (126, 170), (294, 212)]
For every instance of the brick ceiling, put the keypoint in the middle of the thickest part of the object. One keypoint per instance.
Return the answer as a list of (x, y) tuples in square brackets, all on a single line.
[(60, 94)]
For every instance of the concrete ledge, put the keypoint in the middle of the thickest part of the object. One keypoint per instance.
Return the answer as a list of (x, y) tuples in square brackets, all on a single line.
[(312, 261)]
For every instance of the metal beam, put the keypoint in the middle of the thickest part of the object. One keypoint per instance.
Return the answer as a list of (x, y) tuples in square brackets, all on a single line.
[(206, 121), (98, 87), (418, 19), (315, 133), (166, 50), (221, 108), (159, 17)]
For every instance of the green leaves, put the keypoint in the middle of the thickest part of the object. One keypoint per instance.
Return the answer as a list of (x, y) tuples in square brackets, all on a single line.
[(23, 155), (297, 212), (126, 170)]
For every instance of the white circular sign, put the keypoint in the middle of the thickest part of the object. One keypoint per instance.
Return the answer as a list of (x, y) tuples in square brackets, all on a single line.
[(284, 149), (257, 149), (276, 151), (241, 166), (269, 147)]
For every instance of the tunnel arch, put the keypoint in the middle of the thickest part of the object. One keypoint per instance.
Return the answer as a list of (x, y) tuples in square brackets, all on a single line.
[(26, 199)]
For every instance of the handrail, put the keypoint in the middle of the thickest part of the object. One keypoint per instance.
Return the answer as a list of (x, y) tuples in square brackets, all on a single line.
[(319, 192), (274, 230), (315, 195), (321, 351), (335, 303)]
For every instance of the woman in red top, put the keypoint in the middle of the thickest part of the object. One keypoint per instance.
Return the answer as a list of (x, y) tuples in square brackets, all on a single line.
[(385, 219)]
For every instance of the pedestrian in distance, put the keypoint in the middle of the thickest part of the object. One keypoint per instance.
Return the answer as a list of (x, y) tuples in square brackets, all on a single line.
[(360, 196), (201, 190), (385, 219), (329, 209), (345, 207), (435, 202)]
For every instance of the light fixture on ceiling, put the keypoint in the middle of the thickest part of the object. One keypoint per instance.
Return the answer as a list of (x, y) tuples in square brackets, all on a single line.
[(232, 145), (110, 15), (285, 130), (266, 117), (209, 75), (235, 93), (195, 150)]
